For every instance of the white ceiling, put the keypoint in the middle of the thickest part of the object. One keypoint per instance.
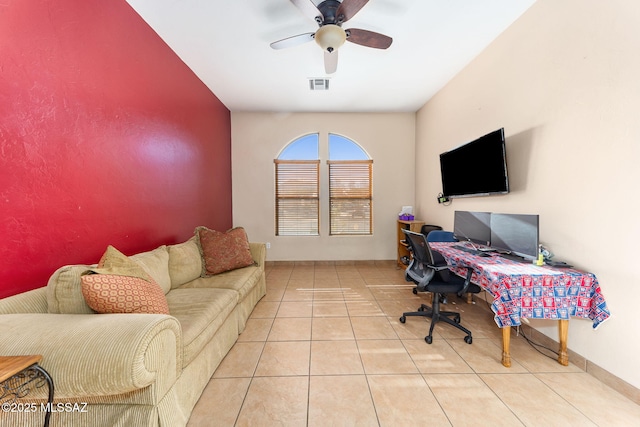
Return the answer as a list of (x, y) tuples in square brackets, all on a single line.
[(226, 43)]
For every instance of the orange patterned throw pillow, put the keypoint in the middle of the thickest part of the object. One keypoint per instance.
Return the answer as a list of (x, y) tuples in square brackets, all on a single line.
[(223, 251), (110, 293), (120, 285)]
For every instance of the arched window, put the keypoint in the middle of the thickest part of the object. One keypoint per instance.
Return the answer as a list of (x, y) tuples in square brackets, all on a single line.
[(297, 188), (350, 192)]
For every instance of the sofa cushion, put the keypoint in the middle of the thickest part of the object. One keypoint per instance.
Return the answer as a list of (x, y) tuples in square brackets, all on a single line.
[(119, 284), (64, 291), (111, 293), (185, 262), (115, 262), (200, 312), (223, 251), (241, 280), (156, 264)]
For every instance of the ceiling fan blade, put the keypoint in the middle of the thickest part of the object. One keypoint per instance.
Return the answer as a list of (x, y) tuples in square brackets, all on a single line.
[(309, 9), (330, 62), (348, 8), (292, 41), (368, 38)]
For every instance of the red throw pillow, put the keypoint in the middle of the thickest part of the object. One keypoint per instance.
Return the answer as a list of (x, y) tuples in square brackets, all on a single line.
[(110, 293), (223, 251)]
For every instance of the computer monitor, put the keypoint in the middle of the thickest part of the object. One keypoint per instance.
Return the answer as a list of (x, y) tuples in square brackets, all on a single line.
[(474, 226), (516, 233)]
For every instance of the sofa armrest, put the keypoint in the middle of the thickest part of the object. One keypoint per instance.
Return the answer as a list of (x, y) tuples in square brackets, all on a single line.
[(34, 301), (258, 253), (98, 354)]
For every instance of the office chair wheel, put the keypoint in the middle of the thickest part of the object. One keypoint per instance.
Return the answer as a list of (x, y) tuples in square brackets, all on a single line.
[(421, 308), (468, 339), (429, 339), (403, 319), (415, 291)]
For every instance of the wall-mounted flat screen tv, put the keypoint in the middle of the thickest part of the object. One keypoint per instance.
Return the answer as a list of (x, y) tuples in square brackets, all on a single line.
[(477, 168)]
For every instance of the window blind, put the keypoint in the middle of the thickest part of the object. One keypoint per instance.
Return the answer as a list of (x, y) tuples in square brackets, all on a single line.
[(297, 197), (350, 197)]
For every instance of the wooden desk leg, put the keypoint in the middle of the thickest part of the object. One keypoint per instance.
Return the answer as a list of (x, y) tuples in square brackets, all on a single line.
[(563, 334), (506, 341)]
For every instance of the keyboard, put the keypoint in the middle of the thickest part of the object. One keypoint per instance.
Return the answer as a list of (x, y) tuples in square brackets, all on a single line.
[(471, 250), (516, 258)]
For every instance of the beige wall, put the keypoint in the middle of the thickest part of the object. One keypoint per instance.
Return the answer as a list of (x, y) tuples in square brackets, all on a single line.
[(563, 81), (258, 138)]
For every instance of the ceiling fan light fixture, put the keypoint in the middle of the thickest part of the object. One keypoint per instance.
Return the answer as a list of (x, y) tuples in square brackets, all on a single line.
[(330, 37)]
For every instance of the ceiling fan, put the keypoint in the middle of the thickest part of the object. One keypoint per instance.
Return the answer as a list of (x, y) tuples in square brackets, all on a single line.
[(330, 15)]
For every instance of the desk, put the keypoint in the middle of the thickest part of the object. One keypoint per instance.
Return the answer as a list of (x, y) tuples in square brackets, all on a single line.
[(524, 290), (18, 374)]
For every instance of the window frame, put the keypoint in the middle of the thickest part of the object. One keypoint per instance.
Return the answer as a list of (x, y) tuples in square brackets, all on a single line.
[(342, 175), (304, 194)]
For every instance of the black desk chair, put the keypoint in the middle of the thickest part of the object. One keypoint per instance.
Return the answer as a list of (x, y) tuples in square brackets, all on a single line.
[(428, 228), (438, 280), (436, 235)]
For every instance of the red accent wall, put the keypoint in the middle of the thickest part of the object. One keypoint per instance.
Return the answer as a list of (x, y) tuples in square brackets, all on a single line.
[(106, 136)]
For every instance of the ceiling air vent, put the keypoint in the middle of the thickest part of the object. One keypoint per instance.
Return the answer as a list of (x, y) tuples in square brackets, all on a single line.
[(319, 84)]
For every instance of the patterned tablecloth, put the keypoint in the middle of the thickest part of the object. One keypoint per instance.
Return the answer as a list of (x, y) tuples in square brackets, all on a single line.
[(526, 290)]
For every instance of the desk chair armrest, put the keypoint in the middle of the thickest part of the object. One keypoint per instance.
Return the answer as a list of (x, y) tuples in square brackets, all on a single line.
[(438, 267), (467, 282)]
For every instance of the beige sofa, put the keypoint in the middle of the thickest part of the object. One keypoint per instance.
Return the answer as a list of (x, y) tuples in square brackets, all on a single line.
[(132, 369)]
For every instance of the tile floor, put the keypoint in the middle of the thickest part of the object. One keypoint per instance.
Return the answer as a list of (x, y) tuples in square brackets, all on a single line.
[(324, 347)]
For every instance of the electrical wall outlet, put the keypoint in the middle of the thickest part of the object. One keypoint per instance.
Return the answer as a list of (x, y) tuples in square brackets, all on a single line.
[(268, 245)]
